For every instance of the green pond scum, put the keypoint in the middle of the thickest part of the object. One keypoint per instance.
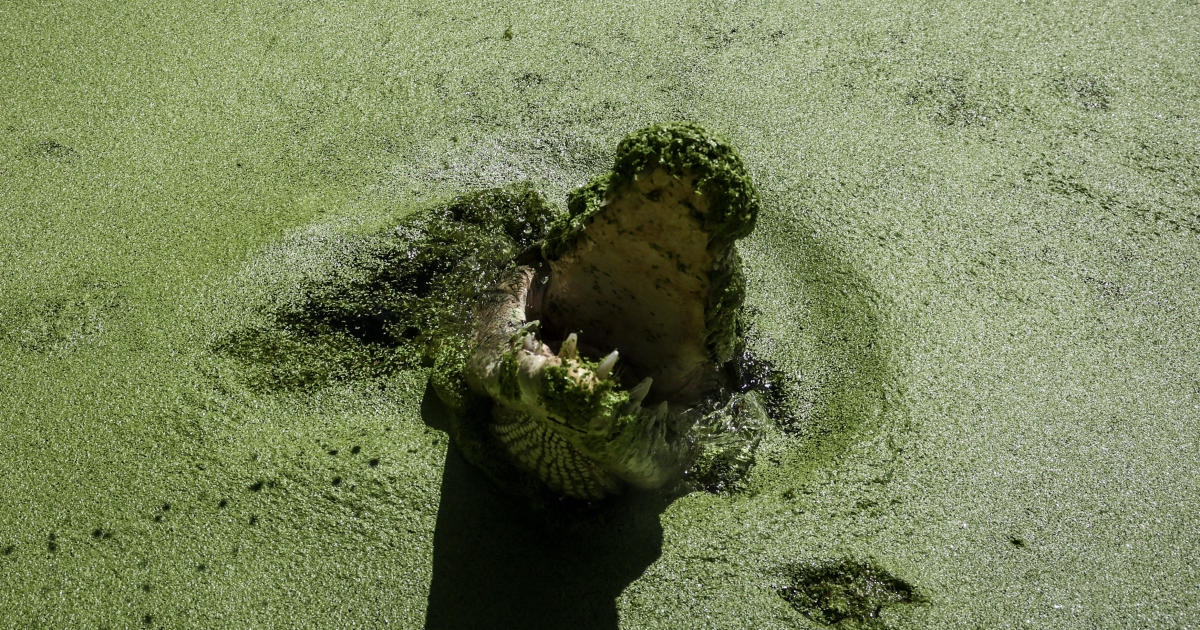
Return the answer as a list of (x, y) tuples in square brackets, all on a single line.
[(239, 243)]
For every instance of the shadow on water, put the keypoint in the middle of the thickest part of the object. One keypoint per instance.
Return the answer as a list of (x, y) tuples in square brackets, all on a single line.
[(498, 563)]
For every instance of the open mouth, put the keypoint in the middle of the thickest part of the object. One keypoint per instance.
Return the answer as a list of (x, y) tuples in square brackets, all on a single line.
[(637, 283)]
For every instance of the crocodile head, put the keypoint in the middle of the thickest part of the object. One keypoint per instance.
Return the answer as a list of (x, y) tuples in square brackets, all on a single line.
[(601, 354)]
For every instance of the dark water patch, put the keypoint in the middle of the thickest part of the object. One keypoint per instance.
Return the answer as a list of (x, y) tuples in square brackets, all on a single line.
[(953, 100), (1085, 90), (1163, 214), (526, 80), (845, 593), (59, 319), (1169, 158), (8, 550), (1105, 289), (728, 437), (868, 55), (49, 148), (52, 542), (718, 30), (778, 390), (1181, 219), (1059, 180)]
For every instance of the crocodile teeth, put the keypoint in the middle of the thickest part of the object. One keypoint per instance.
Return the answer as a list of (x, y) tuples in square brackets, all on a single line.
[(570, 347), (530, 343), (636, 396), (638, 393), (660, 412), (606, 366)]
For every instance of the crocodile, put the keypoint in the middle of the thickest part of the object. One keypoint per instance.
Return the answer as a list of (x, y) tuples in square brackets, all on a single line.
[(600, 357), (574, 354)]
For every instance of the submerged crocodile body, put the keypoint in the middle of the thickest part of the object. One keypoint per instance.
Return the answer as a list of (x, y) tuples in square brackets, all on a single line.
[(587, 368)]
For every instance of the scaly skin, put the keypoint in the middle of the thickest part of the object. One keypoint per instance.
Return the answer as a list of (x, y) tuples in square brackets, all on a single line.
[(564, 417), (643, 277)]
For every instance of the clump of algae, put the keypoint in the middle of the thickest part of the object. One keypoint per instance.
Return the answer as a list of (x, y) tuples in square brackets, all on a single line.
[(388, 299)]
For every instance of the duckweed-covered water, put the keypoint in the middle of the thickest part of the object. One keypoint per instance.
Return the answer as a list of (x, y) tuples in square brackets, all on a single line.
[(976, 271)]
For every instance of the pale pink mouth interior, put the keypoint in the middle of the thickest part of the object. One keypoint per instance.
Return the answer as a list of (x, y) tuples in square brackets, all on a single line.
[(638, 282)]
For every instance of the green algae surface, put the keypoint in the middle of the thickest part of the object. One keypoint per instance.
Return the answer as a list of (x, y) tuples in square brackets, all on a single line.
[(974, 277)]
